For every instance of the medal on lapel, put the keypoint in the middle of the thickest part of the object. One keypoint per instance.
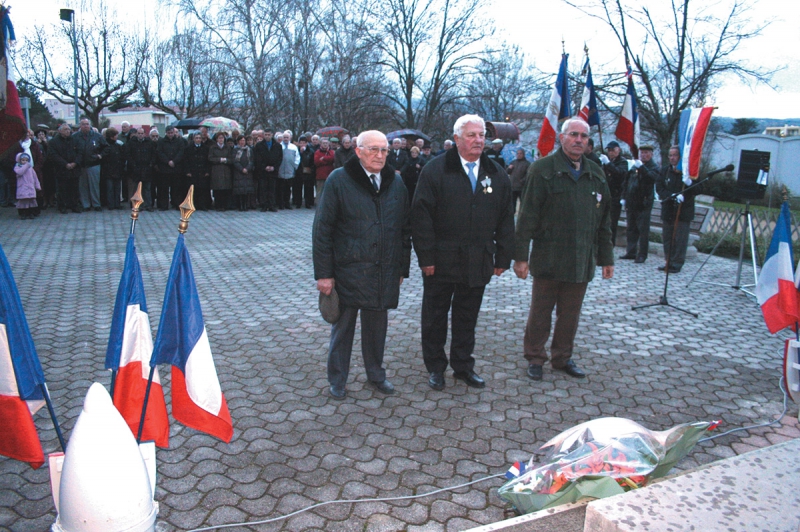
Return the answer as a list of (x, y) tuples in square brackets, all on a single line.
[(599, 198), (487, 185)]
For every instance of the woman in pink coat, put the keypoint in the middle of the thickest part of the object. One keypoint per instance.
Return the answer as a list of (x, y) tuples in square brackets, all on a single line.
[(27, 185)]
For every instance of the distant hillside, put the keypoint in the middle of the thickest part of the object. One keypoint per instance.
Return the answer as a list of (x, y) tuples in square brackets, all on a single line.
[(763, 123)]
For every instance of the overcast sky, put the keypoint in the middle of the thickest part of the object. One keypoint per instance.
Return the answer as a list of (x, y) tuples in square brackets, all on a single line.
[(538, 26)]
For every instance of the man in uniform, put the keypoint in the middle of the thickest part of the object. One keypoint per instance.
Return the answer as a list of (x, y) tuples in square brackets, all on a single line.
[(616, 168), (639, 195)]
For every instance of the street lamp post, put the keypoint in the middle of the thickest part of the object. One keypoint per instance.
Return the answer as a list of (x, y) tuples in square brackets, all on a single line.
[(69, 16)]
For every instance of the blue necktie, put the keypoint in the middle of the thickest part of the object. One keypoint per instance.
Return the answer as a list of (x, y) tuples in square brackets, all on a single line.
[(472, 178)]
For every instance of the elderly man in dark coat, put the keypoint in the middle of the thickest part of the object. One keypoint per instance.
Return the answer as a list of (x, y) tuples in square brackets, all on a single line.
[(268, 155), (463, 233), (361, 247), (65, 159), (566, 212)]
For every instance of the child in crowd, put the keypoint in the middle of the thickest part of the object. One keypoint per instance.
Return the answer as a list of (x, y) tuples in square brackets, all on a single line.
[(27, 185)]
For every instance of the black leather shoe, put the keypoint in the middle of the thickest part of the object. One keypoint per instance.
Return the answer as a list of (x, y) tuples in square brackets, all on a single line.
[(662, 268), (436, 380), (472, 379), (639, 260), (627, 257), (672, 269), (535, 372), (572, 370), (385, 387), (338, 392)]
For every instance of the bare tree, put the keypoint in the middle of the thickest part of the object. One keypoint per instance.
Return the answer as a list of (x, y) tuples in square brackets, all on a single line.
[(180, 76), (505, 84), (685, 52), (244, 34), (349, 89), (110, 60), (428, 47)]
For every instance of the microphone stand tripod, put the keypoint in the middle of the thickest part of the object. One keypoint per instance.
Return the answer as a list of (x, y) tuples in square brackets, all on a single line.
[(663, 301)]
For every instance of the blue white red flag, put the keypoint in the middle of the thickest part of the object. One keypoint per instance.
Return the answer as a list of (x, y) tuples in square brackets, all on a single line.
[(197, 399), (21, 376), (776, 291), (130, 346), (692, 130), (12, 121), (516, 470), (628, 125), (557, 109), (589, 100)]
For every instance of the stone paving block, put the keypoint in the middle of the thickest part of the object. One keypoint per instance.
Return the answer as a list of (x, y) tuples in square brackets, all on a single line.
[(292, 445)]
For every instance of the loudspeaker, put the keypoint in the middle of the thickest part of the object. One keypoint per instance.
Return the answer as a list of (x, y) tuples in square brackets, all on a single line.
[(751, 182)]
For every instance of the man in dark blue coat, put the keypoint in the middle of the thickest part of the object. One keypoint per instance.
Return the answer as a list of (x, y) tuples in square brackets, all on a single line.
[(463, 233), (361, 246)]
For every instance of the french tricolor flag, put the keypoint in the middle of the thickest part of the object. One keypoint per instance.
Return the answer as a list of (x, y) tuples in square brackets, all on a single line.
[(130, 345), (776, 291), (557, 109), (197, 399), (692, 130), (21, 376), (12, 121), (516, 470), (589, 99), (628, 130)]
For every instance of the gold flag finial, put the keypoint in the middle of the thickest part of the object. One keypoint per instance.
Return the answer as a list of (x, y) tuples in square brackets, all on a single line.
[(136, 202), (187, 208), (784, 193)]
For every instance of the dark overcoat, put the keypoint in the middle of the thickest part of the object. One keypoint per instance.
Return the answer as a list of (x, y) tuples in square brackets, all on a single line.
[(221, 175), (465, 235), (361, 237)]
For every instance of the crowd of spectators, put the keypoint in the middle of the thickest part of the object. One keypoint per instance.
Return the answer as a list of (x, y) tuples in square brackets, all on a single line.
[(268, 170)]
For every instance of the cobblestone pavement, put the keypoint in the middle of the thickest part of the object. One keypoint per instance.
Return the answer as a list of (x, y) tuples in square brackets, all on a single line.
[(293, 446)]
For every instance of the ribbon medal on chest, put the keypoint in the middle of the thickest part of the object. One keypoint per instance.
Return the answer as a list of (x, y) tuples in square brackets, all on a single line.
[(487, 185), (599, 198)]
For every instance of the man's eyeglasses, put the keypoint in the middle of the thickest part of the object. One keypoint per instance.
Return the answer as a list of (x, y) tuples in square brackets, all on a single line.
[(578, 134), (375, 150)]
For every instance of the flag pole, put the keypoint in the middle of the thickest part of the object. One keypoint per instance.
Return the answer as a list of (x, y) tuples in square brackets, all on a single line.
[(52, 412), (599, 121), (187, 208), (136, 204)]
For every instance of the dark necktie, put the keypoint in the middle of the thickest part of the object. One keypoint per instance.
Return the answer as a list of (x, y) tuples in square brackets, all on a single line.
[(374, 182)]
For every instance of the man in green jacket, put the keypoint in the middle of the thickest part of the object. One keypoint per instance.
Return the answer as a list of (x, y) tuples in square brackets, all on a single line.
[(566, 211)]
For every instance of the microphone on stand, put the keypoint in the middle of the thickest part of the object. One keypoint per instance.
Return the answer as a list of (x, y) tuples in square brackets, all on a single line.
[(728, 168)]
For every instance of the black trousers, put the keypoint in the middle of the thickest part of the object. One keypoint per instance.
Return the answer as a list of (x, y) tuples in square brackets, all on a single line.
[(373, 340), (161, 188), (637, 233), (67, 191), (299, 188), (266, 192), (283, 192), (437, 299), (616, 211), (675, 254)]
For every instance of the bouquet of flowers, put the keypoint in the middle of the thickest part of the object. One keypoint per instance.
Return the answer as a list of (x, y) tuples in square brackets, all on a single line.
[(599, 458)]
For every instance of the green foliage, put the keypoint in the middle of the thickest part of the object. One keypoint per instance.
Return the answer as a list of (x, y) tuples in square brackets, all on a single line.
[(39, 114), (744, 126), (729, 247), (722, 187)]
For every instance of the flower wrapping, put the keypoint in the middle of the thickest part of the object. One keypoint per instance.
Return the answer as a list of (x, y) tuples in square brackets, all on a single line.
[(600, 458)]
